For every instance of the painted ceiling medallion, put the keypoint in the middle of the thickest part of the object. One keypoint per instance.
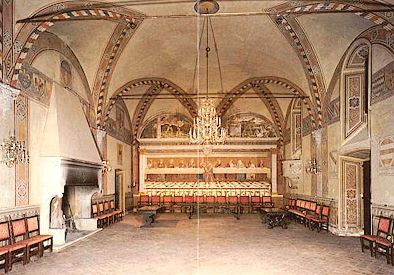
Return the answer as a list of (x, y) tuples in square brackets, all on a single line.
[(206, 7)]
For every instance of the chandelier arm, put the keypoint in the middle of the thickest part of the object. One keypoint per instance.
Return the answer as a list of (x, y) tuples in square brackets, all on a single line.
[(199, 47), (217, 54)]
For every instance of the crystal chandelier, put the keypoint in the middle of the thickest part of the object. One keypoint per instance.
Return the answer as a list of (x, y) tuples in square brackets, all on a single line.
[(207, 126), (13, 152)]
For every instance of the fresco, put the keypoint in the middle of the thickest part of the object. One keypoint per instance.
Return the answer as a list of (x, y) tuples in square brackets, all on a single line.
[(167, 126), (35, 84), (249, 125)]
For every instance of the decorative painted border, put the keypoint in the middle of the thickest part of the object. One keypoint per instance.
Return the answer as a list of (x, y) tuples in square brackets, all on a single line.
[(114, 49)]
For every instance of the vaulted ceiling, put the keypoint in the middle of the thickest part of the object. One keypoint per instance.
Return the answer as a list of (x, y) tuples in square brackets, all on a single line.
[(302, 49)]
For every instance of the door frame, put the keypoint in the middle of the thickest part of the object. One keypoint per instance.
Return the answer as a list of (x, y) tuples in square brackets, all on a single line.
[(122, 193)]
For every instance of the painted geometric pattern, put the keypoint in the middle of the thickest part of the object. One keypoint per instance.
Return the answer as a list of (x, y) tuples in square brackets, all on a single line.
[(296, 131), (383, 83), (354, 94), (108, 64), (333, 111), (351, 197), (22, 169), (386, 155), (327, 6)]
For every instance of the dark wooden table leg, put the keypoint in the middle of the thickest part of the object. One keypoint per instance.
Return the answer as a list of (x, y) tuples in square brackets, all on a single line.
[(147, 218)]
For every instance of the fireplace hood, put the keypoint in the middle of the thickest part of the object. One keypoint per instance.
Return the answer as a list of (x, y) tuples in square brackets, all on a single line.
[(67, 134)]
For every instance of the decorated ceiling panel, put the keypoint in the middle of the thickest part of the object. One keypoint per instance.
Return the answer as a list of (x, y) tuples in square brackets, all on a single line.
[(248, 47), (88, 40), (336, 30)]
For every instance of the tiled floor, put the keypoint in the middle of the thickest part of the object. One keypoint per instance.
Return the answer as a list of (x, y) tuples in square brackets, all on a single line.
[(212, 245)]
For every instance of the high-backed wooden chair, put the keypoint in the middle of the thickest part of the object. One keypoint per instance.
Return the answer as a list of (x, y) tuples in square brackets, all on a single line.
[(384, 245), (102, 215), (33, 232), (255, 203), (244, 203), (188, 205), (233, 206), (221, 203), (267, 202), (155, 200), (167, 203), (321, 223), (118, 214), (144, 201), (368, 241), (177, 203), (19, 239), (5, 245), (210, 203), (108, 212), (315, 214)]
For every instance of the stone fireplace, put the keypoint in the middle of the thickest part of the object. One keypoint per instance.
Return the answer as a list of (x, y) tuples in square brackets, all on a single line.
[(70, 167)]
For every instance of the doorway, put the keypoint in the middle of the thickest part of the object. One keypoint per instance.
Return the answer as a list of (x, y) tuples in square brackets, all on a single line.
[(367, 196), (119, 189)]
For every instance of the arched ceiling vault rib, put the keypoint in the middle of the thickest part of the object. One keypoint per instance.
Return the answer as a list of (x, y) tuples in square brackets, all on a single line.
[(272, 104), (29, 33), (113, 51), (299, 41), (149, 96), (246, 85)]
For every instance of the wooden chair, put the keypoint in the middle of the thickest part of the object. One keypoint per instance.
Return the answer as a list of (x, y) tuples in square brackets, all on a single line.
[(321, 223), (5, 241), (23, 247), (33, 232), (177, 203), (188, 205), (210, 203), (255, 203), (118, 214), (233, 206), (108, 213), (95, 214), (382, 233), (102, 215), (144, 201), (155, 200), (267, 202), (221, 203), (167, 203), (310, 216), (244, 204)]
